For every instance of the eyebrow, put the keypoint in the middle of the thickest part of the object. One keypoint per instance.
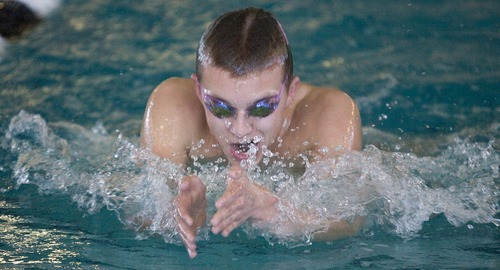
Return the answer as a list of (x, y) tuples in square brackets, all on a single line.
[(252, 104), (221, 100), (229, 103)]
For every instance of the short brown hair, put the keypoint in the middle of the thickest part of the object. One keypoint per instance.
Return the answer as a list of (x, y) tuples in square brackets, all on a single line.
[(243, 42)]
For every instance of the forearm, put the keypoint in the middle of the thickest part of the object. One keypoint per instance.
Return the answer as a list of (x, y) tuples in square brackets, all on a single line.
[(286, 221), (339, 229)]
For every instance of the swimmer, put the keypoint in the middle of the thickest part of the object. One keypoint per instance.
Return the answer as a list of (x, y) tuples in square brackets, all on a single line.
[(243, 100), (19, 16)]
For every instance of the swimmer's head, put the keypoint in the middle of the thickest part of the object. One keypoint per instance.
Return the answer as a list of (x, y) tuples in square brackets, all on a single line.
[(243, 42)]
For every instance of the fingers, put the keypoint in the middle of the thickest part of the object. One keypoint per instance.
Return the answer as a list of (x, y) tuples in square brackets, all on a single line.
[(233, 206), (227, 230), (184, 216), (184, 223), (189, 242), (192, 253), (182, 210), (231, 213), (227, 198), (187, 236), (190, 206), (191, 191), (229, 223)]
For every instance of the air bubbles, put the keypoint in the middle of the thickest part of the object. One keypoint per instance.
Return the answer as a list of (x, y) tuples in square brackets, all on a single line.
[(200, 143), (324, 150), (266, 152), (382, 117), (280, 141), (265, 161)]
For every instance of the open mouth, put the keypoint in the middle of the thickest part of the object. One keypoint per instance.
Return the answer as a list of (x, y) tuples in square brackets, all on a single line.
[(244, 147), (243, 151)]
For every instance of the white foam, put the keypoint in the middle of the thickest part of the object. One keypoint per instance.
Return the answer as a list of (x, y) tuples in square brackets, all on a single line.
[(398, 192)]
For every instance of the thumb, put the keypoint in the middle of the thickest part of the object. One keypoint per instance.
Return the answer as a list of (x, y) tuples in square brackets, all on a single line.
[(235, 172)]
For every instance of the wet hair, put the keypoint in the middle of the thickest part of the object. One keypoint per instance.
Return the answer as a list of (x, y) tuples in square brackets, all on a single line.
[(243, 42)]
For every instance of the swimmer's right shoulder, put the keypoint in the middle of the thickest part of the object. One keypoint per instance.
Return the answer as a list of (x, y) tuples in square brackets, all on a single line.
[(175, 84), (165, 129), (174, 89)]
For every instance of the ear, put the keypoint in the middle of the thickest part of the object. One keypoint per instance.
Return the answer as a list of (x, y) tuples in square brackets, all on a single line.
[(197, 88), (292, 91)]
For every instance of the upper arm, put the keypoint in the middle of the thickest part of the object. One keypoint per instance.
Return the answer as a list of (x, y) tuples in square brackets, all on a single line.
[(165, 130)]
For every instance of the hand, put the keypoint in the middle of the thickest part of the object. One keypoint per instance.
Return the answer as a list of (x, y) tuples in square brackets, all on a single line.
[(191, 214), (242, 200)]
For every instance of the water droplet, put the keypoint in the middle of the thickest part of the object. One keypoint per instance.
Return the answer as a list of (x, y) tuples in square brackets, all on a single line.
[(324, 150)]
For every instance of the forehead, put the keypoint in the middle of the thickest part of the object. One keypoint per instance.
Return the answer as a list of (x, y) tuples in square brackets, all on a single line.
[(218, 80)]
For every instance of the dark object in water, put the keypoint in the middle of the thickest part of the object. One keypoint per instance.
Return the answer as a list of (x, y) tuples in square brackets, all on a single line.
[(15, 19)]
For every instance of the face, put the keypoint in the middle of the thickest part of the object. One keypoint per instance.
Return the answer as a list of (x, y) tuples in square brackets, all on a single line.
[(246, 114)]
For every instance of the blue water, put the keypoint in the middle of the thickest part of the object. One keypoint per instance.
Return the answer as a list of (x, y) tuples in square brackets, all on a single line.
[(425, 76)]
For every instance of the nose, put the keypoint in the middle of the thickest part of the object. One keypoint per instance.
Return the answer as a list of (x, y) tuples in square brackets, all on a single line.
[(240, 126)]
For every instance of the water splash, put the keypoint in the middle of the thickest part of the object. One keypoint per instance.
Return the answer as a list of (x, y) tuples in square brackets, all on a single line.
[(97, 169), (397, 192)]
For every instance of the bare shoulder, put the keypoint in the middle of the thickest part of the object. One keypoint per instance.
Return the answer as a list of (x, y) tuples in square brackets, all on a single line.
[(165, 129), (333, 102), (173, 90), (334, 117)]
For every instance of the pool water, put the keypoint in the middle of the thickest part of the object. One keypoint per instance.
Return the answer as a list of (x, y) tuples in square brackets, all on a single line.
[(425, 76)]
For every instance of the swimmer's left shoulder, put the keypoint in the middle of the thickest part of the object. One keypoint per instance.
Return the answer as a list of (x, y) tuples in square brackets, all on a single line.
[(335, 116), (328, 97)]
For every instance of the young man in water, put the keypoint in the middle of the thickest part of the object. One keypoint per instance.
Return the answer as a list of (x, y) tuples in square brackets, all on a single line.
[(245, 100)]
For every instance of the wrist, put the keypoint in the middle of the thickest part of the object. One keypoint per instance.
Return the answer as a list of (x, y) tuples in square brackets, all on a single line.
[(266, 206)]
